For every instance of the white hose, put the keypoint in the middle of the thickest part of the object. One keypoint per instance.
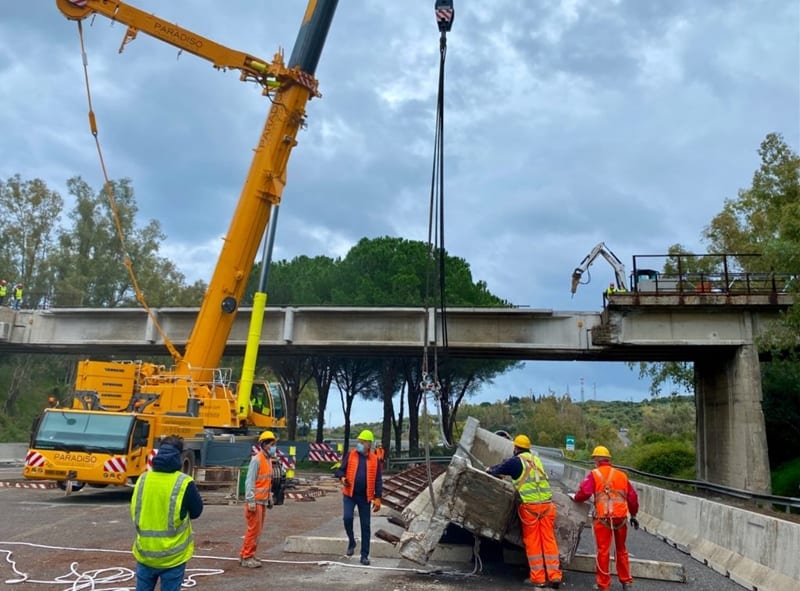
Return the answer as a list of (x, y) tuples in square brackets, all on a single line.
[(96, 579)]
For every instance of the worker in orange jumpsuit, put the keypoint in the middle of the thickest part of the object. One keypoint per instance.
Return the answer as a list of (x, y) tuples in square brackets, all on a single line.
[(537, 513), (257, 497), (614, 499)]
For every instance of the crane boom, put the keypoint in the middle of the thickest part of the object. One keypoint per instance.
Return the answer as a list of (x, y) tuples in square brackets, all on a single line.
[(120, 409), (600, 250), (223, 58), (290, 88)]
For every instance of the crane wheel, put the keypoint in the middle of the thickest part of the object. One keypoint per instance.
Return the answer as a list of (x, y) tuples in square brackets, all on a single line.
[(70, 485), (187, 463)]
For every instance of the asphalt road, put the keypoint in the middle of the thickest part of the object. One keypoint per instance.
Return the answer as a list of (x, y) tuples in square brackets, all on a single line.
[(54, 542)]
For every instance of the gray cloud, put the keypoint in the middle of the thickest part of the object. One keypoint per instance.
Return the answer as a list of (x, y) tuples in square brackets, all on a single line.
[(567, 123)]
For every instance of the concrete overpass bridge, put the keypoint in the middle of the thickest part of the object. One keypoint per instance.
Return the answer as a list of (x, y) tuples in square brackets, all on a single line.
[(715, 331)]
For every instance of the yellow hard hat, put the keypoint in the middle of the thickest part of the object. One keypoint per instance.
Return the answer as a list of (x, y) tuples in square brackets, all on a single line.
[(522, 442), (267, 436), (601, 451), (366, 435)]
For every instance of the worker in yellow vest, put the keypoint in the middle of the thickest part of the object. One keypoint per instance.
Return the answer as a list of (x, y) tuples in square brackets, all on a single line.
[(3, 291), (164, 502), (537, 513)]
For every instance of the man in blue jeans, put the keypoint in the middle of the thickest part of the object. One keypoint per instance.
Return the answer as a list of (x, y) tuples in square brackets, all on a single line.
[(164, 502), (362, 484)]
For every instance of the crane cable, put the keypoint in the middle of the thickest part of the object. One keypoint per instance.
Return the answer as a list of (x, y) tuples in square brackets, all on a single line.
[(430, 384), (109, 190)]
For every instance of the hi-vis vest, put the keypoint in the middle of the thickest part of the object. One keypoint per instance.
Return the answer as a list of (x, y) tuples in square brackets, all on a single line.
[(610, 492), (163, 539), (532, 484), (263, 485), (3, 290), (352, 469)]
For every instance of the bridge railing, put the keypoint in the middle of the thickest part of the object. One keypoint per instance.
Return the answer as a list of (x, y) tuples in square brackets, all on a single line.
[(708, 273)]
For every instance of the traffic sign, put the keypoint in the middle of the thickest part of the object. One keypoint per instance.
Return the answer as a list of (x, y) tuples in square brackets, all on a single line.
[(570, 443)]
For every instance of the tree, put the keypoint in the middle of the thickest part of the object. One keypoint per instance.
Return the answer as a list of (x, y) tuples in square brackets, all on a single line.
[(764, 218), (91, 263), (355, 376), (378, 272), (294, 374), (31, 212)]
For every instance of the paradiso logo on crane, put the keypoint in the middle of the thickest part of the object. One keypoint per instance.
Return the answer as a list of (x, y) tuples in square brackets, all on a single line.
[(174, 33), (77, 458)]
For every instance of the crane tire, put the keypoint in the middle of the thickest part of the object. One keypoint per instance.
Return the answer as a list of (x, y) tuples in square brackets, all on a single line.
[(76, 485), (187, 463)]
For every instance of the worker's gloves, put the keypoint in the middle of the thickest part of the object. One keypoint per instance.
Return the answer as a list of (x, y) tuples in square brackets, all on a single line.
[(635, 523), (251, 507), (270, 504), (345, 482), (376, 505), (572, 496)]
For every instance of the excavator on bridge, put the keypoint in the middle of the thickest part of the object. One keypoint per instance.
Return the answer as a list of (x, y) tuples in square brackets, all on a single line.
[(599, 250), (120, 410)]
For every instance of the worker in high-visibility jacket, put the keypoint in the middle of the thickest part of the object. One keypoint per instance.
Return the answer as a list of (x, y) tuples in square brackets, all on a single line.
[(3, 291), (257, 497), (537, 513), (361, 476), (164, 502), (614, 500)]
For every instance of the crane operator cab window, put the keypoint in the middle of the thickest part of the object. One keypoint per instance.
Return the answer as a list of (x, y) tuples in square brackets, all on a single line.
[(258, 399)]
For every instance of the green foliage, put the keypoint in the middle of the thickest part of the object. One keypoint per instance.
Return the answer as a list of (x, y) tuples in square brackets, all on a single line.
[(786, 479), (665, 458), (89, 264), (780, 382), (30, 214), (765, 219)]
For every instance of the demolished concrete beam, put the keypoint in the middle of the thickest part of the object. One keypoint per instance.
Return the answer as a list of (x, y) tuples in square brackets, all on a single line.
[(482, 504)]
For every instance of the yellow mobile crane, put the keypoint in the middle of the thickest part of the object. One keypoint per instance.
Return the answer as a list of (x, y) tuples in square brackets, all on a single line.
[(121, 409)]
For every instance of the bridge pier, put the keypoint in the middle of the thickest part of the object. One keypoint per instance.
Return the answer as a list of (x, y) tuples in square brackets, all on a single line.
[(731, 433)]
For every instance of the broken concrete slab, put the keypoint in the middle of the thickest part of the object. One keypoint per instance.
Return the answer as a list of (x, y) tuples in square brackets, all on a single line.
[(482, 504)]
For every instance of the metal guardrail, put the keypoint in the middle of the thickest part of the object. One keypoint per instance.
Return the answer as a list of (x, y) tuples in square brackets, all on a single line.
[(702, 485)]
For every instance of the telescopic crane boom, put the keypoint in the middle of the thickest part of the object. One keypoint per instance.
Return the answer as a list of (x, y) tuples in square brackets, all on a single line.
[(120, 409), (600, 250)]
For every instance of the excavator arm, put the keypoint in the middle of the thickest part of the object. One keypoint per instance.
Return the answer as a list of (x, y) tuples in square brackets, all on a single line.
[(600, 250)]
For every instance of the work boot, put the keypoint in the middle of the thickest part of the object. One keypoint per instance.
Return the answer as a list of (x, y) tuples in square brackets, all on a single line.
[(627, 586), (529, 583), (351, 548), (251, 562), (555, 584), (365, 561)]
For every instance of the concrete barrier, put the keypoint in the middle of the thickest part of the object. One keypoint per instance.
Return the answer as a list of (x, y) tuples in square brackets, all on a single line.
[(13, 452), (756, 551)]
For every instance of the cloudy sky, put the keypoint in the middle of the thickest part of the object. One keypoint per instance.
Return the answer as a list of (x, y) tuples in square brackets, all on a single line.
[(567, 122)]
